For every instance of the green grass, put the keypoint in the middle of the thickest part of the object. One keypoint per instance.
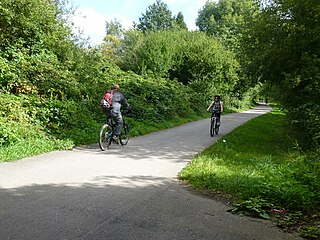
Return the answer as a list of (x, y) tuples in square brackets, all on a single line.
[(31, 147), (261, 165)]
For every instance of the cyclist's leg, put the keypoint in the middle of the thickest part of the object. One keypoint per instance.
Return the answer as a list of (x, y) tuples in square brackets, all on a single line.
[(119, 124), (109, 121), (218, 118), (108, 115)]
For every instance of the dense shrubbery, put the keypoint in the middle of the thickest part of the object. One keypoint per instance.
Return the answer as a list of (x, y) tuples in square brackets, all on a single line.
[(190, 57), (78, 119), (23, 128), (193, 58)]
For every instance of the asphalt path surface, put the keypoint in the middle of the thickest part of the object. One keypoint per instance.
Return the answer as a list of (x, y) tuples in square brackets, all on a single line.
[(129, 192)]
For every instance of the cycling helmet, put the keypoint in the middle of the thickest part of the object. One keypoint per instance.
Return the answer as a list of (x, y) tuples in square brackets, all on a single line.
[(217, 96)]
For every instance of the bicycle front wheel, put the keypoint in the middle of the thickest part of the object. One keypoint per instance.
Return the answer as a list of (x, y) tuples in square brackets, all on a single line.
[(105, 136), (124, 136)]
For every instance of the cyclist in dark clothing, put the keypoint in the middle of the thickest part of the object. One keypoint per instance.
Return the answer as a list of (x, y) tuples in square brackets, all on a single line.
[(118, 101), (217, 107)]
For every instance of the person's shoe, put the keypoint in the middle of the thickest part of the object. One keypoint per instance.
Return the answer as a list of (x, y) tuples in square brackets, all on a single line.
[(218, 123), (115, 139)]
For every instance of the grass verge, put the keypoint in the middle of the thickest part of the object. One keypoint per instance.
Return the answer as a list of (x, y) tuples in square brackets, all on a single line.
[(262, 167)]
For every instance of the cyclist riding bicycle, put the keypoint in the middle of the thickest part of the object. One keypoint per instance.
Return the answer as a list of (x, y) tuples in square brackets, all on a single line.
[(217, 108), (118, 100)]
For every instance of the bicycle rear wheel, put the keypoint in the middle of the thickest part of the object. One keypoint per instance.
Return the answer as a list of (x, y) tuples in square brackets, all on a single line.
[(217, 129), (105, 136), (124, 136), (212, 126)]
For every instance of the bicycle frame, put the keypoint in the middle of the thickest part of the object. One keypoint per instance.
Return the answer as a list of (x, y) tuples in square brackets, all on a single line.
[(214, 116)]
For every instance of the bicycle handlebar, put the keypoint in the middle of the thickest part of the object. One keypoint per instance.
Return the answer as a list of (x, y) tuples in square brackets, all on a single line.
[(126, 111)]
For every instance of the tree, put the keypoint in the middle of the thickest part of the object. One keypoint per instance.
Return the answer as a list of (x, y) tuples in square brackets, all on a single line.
[(285, 53), (114, 28), (180, 22), (286, 48), (227, 20), (110, 46), (111, 42), (230, 22), (36, 47), (157, 17), (182, 55)]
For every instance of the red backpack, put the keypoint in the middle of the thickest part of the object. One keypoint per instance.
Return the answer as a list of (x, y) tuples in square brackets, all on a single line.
[(106, 100)]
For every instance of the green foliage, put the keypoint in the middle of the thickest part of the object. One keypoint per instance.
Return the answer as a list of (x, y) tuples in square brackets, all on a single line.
[(51, 84), (192, 58), (110, 47), (34, 25), (305, 117), (255, 207), (179, 22), (35, 43), (289, 220), (21, 134), (178, 54), (114, 28), (154, 52), (306, 225), (310, 232), (227, 20), (201, 57), (65, 121), (129, 54), (237, 101), (33, 146), (154, 98), (285, 48), (158, 17), (230, 21)]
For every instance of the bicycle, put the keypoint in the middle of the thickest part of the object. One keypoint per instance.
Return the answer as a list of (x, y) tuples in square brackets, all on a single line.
[(106, 135), (214, 124)]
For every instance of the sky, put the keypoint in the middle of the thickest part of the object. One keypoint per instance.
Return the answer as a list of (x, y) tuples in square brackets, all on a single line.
[(91, 15)]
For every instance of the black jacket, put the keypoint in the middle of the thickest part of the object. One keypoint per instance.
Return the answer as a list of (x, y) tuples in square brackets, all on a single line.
[(119, 101)]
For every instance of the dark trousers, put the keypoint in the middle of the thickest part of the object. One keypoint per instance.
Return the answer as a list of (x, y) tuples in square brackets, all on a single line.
[(217, 114), (117, 117)]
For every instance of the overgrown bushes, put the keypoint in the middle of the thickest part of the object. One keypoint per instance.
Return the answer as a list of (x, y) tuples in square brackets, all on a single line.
[(182, 55), (27, 117)]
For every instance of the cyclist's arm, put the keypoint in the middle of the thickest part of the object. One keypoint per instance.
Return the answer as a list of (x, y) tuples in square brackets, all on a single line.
[(125, 103), (221, 106), (208, 109)]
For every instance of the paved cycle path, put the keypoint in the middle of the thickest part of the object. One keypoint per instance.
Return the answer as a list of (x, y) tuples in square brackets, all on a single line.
[(126, 192)]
